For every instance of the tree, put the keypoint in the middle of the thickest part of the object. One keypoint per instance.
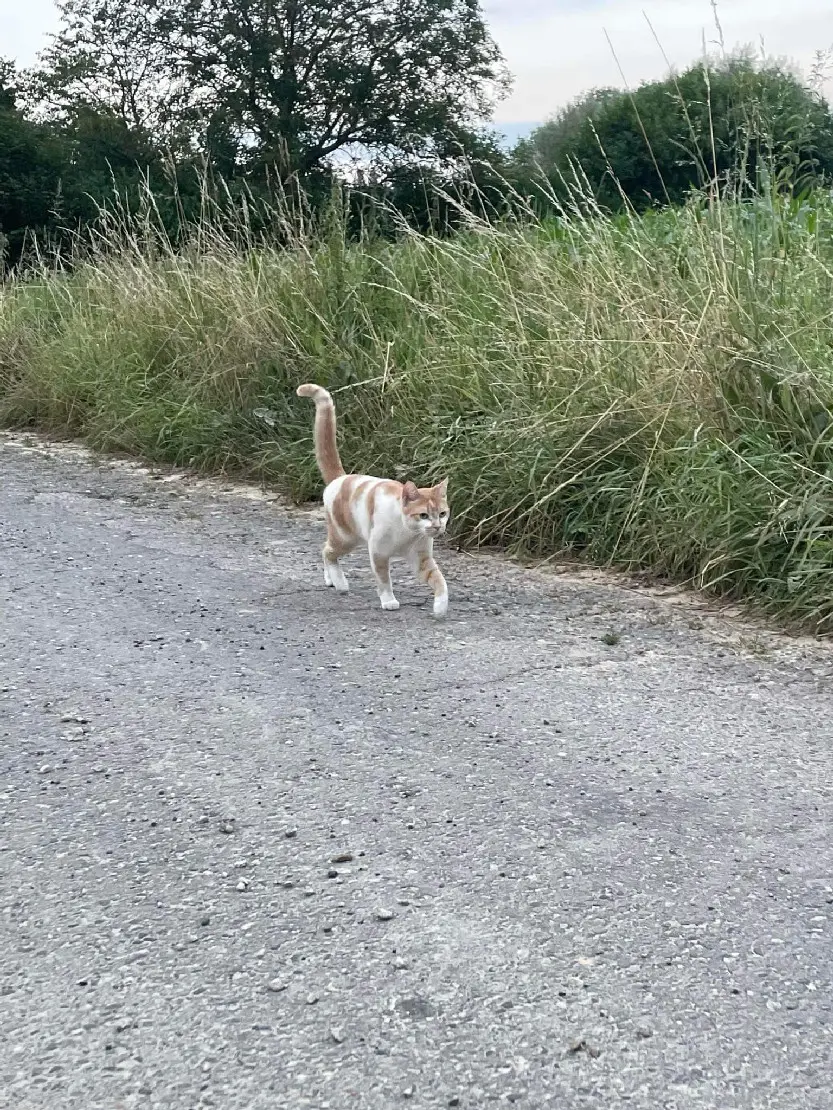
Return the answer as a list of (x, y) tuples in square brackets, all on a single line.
[(281, 82), (31, 157), (55, 174), (720, 123), (547, 144), (110, 58)]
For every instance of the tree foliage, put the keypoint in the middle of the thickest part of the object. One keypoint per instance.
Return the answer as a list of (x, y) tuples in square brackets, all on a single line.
[(279, 82), (235, 101), (723, 123), (109, 57), (240, 96), (30, 165)]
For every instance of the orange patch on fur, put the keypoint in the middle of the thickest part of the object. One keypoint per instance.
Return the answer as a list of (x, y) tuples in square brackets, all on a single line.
[(381, 566), (428, 503), (426, 563), (429, 572), (336, 545), (435, 580), (371, 504), (340, 508)]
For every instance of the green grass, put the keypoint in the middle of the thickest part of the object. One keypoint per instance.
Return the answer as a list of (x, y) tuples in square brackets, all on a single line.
[(651, 393)]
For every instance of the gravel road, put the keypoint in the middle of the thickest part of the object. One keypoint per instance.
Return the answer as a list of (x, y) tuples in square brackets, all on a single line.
[(267, 848)]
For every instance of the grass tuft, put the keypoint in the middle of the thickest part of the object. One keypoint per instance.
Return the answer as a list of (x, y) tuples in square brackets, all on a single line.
[(648, 392)]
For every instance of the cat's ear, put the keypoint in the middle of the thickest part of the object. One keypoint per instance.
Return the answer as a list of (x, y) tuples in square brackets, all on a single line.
[(410, 492), (441, 488)]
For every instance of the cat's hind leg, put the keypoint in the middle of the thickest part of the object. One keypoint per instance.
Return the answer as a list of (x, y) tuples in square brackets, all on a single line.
[(381, 572), (334, 549)]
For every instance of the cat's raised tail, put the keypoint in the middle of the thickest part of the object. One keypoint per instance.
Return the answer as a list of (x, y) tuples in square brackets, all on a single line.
[(324, 431)]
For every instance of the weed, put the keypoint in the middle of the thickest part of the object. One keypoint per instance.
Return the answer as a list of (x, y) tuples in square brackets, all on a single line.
[(649, 392)]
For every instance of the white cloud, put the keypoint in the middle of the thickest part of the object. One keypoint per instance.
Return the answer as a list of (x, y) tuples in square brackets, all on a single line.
[(557, 48)]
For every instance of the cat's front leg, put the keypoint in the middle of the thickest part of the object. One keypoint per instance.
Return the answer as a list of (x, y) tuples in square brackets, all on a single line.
[(427, 571)]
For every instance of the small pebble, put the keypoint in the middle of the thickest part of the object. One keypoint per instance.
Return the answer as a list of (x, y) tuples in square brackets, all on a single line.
[(643, 1032), (409, 1092), (276, 986), (243, 884), (332, 873), (312, 999), (337, 1035), (385, 915), (205, 920), (290, 833), (582, 1046), (204, 819), (227, 825), (342, 857)]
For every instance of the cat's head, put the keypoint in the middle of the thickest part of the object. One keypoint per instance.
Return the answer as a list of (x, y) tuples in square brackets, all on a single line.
[(426, 510)]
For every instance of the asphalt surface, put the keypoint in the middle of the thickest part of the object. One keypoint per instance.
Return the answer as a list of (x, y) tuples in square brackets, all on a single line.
[(267, 847)]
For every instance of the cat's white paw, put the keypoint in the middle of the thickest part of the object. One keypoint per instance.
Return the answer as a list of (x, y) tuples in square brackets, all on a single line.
[(441, 605), (390, 604), (337, 580)]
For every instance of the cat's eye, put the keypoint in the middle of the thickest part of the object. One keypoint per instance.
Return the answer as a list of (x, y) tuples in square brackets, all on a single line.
[(444, 513), (423, 516)]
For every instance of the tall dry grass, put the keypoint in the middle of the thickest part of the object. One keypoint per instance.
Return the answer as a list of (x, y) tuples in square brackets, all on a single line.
[(653, 393)]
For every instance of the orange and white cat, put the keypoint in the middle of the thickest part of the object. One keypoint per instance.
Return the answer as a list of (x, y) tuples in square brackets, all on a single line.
[(392, 518)]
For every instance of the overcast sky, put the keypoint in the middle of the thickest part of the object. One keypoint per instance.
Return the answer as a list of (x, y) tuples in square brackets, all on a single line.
[(557, 48)]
